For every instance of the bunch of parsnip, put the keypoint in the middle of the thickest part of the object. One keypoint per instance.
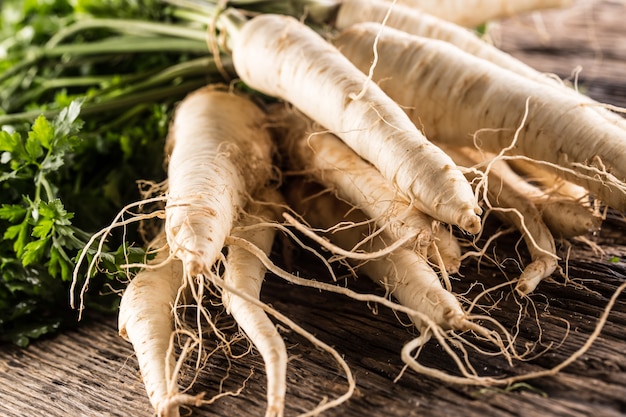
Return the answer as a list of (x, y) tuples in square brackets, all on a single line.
[(374, 129)]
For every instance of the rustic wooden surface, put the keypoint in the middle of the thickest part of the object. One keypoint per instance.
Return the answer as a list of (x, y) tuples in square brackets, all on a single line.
[(92, 372)]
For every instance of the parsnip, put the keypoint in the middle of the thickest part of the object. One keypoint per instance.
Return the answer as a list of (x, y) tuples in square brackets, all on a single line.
[(549, 180), (281, 57), (331, 162), (420, 23), (404, 273), (471, 13), (244, 272), (566, 217), (219, 152), (416, 22), (146, 320), (510, 204), (445, 249), (465, 101)]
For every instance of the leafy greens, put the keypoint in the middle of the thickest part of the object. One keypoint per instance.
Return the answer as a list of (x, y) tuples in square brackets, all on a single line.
[(84, 106)]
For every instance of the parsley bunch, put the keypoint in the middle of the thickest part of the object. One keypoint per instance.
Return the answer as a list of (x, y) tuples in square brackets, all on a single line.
[(40, 225), (84, 108), (39, 241)]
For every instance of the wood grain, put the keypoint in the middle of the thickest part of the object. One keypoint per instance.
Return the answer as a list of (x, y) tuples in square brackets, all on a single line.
[(92, 372)]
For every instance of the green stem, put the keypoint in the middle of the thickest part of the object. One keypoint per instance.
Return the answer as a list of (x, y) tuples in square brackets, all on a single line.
[(200, 66), (67, 82), (128, 44), (61, 249), (116, 104), (205, 8), (81, 81), (38, 182), (127, 115), (116, 45), (26, 63), (206, 19), (126, 26), (145, 97), (132, 95), (318, 11), (47, 188)]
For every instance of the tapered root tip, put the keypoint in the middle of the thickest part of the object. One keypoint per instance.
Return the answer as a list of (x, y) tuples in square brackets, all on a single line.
[(470, 222), (533, 274), (454, 319), (194, 265), (171, 406), (525, 287), (274, 411)]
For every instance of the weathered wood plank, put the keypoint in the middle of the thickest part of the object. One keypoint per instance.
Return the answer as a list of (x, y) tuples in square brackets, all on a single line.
[(586, 42), (92, 372)]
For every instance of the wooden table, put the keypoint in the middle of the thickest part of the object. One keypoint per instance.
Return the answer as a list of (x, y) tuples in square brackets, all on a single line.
[(92, 372)]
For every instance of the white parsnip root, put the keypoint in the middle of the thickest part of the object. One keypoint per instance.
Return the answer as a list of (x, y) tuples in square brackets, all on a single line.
[(404, 273), (331, 162), (388, 139), (514, 207), (445, 251), (145, 319), (420, 23), (550, 181), (269, 55), (508, 111), (219, 152), (471, 13), (244, 272), (567, 215)]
